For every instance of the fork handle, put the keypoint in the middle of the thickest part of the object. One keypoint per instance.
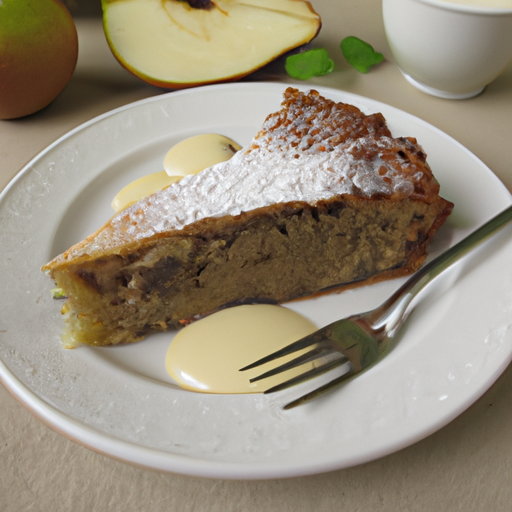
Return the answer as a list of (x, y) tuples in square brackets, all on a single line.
[(389, 317)]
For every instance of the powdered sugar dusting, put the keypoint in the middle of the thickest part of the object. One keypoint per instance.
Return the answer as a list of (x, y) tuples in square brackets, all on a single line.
[(312, 149)]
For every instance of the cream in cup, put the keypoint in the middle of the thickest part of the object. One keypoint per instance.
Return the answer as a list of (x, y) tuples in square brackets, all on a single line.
[(449, 48)]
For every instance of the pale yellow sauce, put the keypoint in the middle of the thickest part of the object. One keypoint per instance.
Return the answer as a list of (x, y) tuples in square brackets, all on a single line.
[(194, 154), (485, 4), (140, 188), (206, 355), (189, 156)]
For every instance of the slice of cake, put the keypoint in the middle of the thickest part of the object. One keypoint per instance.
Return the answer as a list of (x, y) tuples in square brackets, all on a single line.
[(323, 197)]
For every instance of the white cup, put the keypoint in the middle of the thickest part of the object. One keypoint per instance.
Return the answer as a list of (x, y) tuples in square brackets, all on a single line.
[(451, 49)]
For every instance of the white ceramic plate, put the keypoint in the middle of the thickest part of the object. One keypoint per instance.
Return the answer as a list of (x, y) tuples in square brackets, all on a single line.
[(120, 401)]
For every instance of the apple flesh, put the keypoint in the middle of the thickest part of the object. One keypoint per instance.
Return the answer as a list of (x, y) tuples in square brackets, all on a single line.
[(178, 43), (38, 54)]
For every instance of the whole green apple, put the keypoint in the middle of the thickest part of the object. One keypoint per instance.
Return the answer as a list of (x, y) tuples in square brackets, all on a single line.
[(38, 54)]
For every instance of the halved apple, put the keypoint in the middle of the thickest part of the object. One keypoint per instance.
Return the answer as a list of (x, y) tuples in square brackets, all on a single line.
[(183, 43)]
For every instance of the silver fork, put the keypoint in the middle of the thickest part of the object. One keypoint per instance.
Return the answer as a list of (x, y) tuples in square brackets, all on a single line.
[(359, 340)]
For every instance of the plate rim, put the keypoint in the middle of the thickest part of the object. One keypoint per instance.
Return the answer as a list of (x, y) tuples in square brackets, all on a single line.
[(101, 442)]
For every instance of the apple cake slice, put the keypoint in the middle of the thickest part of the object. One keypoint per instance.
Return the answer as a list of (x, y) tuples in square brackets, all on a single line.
[(322, 198)]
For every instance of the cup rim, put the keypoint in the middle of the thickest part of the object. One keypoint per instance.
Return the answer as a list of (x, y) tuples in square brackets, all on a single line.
[(471, 9)]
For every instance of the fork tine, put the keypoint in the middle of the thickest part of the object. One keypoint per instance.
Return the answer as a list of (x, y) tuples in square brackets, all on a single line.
[(312, 355), (307, 341), (319, 370), (322, 389), (318, 391)]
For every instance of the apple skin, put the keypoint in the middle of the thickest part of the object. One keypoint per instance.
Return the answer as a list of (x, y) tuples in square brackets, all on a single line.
[(38, 54)]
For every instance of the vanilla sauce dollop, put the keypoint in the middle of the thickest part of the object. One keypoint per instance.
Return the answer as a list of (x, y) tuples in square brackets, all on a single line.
[(207, 354)]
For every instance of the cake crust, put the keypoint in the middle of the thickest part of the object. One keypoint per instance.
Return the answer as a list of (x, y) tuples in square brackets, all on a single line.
[(379, 214)]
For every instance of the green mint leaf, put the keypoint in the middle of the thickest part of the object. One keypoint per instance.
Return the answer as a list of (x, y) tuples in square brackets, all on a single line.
[(359, 54), (315, 62)]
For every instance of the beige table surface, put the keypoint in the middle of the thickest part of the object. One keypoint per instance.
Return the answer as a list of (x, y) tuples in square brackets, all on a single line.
[(467, 465)]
